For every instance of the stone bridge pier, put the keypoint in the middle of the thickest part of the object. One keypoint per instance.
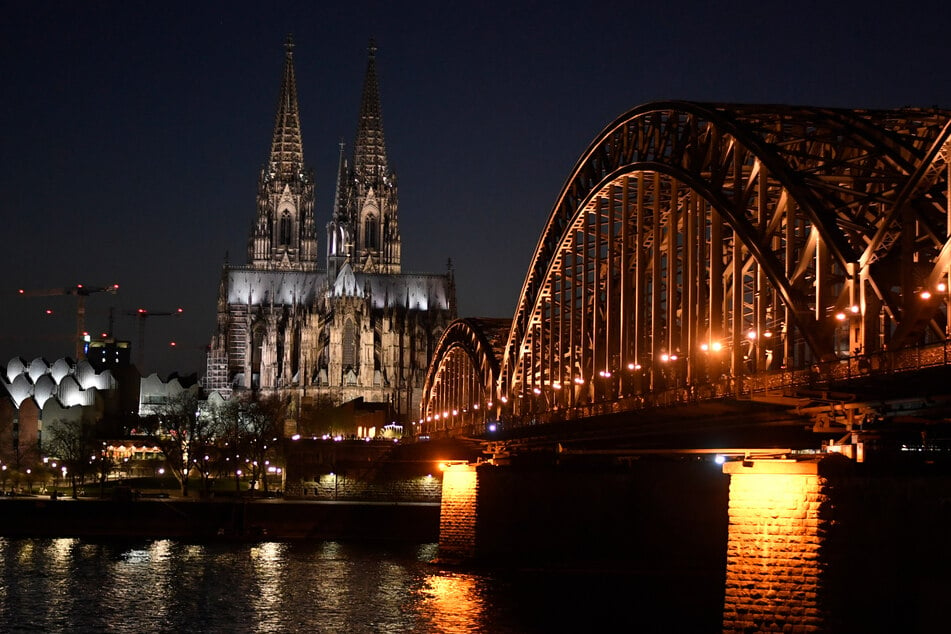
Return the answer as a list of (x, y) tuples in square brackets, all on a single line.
[(813, 544)]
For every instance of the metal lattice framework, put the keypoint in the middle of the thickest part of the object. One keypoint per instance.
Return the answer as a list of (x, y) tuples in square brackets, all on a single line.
[(459, 391), (698, 241)]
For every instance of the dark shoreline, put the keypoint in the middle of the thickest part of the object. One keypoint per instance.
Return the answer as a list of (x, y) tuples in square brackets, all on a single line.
[(220, 520)]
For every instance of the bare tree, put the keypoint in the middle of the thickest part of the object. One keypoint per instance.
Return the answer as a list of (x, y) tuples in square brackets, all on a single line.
[(73, 443), (230, 441), (183, 433), (102, 465), (263, 422)]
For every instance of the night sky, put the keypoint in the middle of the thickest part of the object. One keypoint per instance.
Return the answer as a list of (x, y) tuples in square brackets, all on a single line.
[(133, 133)]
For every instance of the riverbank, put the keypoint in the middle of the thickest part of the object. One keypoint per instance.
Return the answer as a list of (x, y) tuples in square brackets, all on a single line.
[(228, 519)]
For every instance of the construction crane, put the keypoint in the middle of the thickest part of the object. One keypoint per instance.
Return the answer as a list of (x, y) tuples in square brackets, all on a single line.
[(141, 316), (81, 292)]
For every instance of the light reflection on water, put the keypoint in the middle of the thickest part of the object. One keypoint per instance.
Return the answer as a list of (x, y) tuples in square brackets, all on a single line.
[(73, 585), (59, 585), (451, 603)]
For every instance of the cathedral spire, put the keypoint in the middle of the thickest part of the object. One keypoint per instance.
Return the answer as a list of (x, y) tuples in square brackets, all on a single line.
[(287, 150), (283, 235), (341, 179), (369, 151)]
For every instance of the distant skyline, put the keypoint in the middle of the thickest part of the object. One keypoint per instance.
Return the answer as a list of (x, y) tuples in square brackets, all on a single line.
[(133, 133)]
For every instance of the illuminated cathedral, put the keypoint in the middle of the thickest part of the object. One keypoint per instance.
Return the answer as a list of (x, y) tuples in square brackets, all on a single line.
[(350, 324)]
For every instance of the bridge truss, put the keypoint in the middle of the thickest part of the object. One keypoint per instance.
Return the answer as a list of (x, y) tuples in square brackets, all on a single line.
[(695, 243)]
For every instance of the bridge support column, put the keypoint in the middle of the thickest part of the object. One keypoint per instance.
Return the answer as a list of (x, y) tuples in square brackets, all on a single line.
[(833, 545), (774, 568), (458, 513)]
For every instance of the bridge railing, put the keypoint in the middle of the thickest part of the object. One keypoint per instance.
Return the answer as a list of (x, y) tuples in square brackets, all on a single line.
[(785, 383)]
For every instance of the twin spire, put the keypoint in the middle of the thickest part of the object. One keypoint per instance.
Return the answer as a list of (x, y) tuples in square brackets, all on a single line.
[(364, 221), (287, 148)]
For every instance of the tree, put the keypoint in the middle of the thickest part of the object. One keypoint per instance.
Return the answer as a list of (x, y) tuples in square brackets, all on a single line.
[(102, 465), (231, 440), (183, 433), (73, 443), (263, 422)]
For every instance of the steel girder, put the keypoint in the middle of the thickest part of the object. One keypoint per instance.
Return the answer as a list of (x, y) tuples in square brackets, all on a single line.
[(459, 389), (693, 240)]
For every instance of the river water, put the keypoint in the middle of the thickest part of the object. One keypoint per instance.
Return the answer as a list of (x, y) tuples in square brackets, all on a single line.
[(77, 585)]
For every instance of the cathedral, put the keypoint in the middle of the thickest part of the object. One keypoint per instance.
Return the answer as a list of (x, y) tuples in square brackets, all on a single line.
[(341, 327)]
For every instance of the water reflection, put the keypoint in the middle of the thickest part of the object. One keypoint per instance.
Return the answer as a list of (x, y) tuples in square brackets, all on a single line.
[(169, 586), (267, 597), (452, 603)]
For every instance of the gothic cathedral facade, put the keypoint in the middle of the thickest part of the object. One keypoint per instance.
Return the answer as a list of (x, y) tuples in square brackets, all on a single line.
[(354, 326)]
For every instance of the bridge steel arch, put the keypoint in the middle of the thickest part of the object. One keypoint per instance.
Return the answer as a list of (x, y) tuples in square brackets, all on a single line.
[(459, 391), (694, 242)]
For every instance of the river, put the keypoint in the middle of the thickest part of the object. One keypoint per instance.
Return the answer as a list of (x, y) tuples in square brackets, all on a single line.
[(79, 585)]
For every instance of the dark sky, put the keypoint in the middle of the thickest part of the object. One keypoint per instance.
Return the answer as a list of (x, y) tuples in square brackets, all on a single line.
[(133, 133)]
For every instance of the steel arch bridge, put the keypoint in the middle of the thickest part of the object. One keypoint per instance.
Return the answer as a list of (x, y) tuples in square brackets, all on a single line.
[(696, 244)]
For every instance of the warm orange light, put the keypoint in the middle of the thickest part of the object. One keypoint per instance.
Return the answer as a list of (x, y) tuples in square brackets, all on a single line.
[(717, 346), (704, 347), (840, 315), (775, 531), (925, 294)]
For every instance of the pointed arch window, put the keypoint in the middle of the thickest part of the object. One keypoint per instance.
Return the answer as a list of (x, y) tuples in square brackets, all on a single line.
[(349, 344), (285, 228), (371, 233)]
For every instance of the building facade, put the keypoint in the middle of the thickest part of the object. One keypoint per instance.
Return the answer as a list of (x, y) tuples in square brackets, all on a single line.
[(351, 326)]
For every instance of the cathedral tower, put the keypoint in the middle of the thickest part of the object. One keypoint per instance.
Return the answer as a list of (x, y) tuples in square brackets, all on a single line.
[(360, 330), (365, 226), (284, 236)]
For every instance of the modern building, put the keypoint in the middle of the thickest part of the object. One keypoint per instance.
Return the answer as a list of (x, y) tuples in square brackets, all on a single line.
[(339, 327)]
